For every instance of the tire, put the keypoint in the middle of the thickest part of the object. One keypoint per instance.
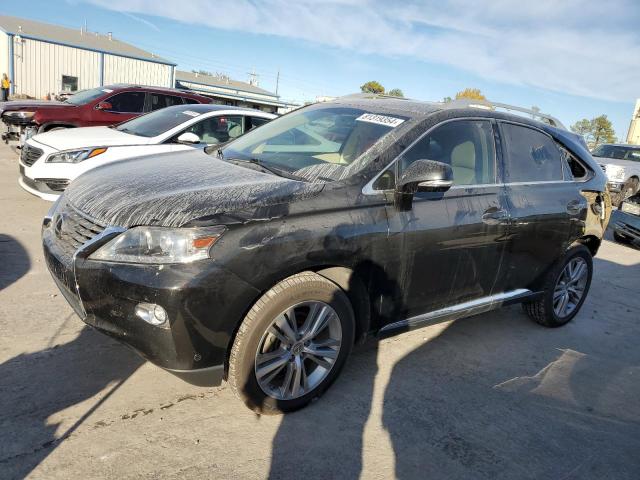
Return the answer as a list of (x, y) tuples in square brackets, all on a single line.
[(255, 341), (629, 189), (620, 238), (542, 310)]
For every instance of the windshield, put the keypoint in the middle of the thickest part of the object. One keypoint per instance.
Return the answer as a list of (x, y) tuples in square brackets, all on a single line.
[(314, 143), (158, 122), (618, 152), (85, 96)]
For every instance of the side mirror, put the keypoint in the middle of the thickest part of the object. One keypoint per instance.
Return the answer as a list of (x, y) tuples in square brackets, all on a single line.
[(422, 176), (189, 138), (104, 106)]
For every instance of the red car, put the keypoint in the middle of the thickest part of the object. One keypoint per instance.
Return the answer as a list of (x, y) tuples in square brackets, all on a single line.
[(99, 106)]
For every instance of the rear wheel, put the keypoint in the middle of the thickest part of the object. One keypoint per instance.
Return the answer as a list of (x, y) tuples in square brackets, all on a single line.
[(565, 289), (292, 344), (629, 189)]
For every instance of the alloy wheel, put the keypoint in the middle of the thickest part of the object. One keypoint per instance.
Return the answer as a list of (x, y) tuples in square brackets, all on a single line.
[(570, 287), (298, 350)]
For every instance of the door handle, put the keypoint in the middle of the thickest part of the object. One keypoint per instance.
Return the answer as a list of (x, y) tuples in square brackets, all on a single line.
[(574, 207), (495, 216)]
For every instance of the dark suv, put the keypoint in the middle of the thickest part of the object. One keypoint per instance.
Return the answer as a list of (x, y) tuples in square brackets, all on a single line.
[(99, 106), (264, 261)]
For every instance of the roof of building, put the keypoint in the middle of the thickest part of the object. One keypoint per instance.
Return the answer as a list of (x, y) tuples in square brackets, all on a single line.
[(75, 38), (220, 82)]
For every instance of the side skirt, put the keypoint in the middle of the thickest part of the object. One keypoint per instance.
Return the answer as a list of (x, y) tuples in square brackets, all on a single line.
[(461, 310)]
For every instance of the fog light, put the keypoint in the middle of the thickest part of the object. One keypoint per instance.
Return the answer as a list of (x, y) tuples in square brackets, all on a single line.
[(152, 313)]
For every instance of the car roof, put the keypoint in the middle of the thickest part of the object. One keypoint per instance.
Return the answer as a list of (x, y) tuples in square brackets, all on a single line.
[(626, 145), (418, 109), (174, 91), (208, 107)]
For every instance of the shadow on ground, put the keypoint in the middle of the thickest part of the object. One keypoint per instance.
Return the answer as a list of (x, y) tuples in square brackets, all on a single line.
[(37, 385), (14, 260), (492, 396)]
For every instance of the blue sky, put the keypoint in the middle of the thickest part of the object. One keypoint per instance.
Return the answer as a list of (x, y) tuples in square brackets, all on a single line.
[(573, 59)]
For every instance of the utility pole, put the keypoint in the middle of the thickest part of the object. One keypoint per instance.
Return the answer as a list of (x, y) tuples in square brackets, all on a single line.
[(277, 81)]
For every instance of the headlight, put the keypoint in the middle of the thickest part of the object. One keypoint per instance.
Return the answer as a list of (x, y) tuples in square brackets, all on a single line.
[(159, 245), (21, 114), (615, 172), (75, 156)]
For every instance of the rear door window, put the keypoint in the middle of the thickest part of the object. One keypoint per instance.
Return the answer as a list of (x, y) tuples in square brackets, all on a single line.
[(127, 102), (254, 122), (531, 156), (214, 130), (159, 101)]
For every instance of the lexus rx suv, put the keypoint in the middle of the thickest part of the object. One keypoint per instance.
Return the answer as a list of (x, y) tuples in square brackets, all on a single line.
[(265, 261)]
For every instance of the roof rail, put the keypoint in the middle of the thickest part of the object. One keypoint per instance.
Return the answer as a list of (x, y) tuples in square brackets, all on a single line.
[(487, 105)]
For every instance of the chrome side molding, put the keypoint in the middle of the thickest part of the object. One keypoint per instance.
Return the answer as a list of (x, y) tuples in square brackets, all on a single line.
[(461, 310)]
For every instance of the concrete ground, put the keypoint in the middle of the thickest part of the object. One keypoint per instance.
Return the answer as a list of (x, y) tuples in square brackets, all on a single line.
[(494, 396)]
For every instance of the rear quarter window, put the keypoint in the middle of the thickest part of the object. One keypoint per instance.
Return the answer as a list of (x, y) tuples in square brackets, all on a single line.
[(531, 156)]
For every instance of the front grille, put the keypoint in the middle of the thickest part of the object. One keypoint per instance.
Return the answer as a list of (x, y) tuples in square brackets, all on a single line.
[(74, 229), (55, 184), (29, 155)]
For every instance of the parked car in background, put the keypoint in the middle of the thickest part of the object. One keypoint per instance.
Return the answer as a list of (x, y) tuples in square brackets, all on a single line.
[(50, 161), (626, 221), (621, 163), (98, 106), (265, 261)]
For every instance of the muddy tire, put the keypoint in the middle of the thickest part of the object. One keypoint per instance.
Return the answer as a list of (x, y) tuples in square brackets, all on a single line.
[(565, 287), (292, 344)]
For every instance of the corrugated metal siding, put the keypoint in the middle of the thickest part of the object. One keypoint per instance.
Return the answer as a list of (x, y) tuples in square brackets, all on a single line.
[(4, 53), (39, 67), (127, 70)]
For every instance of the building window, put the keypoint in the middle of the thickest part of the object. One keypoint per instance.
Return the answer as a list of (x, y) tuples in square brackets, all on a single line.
[(69, 84)]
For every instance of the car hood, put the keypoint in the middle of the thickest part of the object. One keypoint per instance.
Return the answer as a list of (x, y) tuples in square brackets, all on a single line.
[(616, 161), (175, 189), (13, 105), (74, 138)]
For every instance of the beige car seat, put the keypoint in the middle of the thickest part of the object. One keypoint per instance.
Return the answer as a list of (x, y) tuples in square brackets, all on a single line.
[(463, 163)]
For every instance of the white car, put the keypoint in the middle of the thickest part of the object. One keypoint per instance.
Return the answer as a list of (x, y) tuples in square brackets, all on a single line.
[(621, 163), (50, 161)]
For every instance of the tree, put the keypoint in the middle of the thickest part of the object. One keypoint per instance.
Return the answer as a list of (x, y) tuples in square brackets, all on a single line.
[(447, 100), (595, 131), (372, 87), (471, 93), (396, 92)]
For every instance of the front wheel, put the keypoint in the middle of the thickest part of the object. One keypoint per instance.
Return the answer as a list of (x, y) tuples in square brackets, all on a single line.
[(292, 344), (565, 289)]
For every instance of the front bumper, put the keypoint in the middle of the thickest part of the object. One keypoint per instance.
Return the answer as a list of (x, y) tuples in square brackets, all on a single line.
[(626, 225), (204, 303), (615, 186), (45, 188)]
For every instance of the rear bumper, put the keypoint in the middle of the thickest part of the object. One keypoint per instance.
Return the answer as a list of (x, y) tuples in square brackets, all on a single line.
[(204, 304)]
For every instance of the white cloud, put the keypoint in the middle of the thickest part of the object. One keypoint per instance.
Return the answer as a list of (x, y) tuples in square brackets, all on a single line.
[(576, 47)]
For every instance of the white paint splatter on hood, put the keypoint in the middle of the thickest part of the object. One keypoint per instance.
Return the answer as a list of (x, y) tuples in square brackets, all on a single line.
[(176, 188)]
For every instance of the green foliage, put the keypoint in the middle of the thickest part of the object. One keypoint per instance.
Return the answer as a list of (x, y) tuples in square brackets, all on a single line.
[(447, 100), (372, 87), (396, 92), (595, 131)]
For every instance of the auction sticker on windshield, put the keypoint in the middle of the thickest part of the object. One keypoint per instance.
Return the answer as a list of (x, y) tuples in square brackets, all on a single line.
[(380, 119)]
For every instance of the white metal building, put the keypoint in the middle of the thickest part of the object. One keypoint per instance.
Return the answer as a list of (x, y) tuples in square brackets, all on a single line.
[(43, 59), (231, 92), (633, 136)]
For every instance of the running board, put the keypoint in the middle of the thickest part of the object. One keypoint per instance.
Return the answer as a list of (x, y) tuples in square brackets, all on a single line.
[(466, 309)]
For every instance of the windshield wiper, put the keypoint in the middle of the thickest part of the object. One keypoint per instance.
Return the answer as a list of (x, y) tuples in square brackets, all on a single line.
[(266, 169)]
